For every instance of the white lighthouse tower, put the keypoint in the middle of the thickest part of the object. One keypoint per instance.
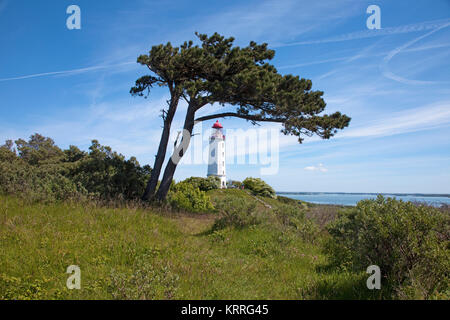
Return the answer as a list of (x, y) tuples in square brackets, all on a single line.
[(216, 163)]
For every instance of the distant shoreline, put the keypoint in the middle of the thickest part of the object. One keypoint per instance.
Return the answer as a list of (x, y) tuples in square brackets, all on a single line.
[(369, 193)]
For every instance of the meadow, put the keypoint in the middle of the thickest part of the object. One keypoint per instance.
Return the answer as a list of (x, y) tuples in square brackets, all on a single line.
[(145, 253), (61, 208)]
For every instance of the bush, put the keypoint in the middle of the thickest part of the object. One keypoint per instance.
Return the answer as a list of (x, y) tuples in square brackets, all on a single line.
[(34, 177), (204, 184), (289, 201), (235, 212), (259, 187), (187, 197), (106, 174), (293, 216), (409, 243), (39, 150), (236, 184), (41, 171)]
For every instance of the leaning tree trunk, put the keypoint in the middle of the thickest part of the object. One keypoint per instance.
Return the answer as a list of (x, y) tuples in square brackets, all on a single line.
[(161, 155), (180, 150)]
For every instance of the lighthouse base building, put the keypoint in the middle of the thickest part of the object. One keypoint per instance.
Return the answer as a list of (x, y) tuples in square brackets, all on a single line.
[(216, 163)]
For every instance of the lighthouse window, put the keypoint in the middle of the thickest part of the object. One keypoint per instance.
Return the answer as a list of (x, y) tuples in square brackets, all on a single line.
[(213, 152)]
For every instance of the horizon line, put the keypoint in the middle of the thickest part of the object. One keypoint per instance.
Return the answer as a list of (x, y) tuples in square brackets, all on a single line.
[(447, 195)]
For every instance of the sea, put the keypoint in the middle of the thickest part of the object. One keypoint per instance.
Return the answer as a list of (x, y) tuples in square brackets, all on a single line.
[(351, 199)]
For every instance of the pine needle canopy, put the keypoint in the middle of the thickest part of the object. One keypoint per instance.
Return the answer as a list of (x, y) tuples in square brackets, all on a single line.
[(216, 71)]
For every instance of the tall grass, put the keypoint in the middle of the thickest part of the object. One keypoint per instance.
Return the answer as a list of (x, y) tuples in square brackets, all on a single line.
[(135, 253), (247, 247)]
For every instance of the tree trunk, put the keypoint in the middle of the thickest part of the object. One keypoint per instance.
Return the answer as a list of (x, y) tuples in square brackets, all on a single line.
[(171, 165), (161, 155)]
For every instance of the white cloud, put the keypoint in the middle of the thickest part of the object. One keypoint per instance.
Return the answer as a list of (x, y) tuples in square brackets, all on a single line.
[(411, 120), (274, 21), (127, 111), (319, 167), (130, 127), (385, 64)]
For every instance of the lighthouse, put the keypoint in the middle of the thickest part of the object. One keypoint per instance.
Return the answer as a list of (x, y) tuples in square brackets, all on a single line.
[(216, 163)]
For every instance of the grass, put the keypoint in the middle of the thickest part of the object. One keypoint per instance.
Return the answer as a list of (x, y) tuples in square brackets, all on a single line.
[(132, 253)]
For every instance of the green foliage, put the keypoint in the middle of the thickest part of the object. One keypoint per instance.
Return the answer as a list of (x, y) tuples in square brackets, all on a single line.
[(288, 201), (216, 71), (7, 152), (39, 150), (149, 279), (185, 196), (204, 184), (132, 253), (236, 184), (244, 77), (37, 184), (38, 173), (410, 244), (259, 187), (235, 212), (294, 216), (41, 171), (15, 288), (107, 174)]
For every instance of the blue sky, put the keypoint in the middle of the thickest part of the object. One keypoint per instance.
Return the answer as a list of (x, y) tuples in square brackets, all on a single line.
[(72, 85)]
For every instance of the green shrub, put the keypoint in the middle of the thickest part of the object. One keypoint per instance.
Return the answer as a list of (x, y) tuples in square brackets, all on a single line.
[(8, 152), (409, 243), (235, 212), (187, 197), (288, 200), (294, 216), (289, 215), (219, 235), (40, 171), (39, 150), (259, 187), (44, 181), (236, 184), (107, 174), (204, 184)]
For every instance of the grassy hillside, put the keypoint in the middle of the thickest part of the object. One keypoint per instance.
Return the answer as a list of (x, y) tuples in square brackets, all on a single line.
[(133, 253), (69, 207)]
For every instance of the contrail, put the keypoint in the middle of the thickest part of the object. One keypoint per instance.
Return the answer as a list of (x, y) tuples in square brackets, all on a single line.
[(73, 71), (385, 67), (374, 33), (354, 57), (312, 63)]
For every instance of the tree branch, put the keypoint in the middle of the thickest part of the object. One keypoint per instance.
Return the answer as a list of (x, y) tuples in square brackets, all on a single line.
[(253, 118)]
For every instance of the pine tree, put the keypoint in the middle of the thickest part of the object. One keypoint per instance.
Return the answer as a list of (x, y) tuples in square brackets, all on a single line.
[(218, 72)]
